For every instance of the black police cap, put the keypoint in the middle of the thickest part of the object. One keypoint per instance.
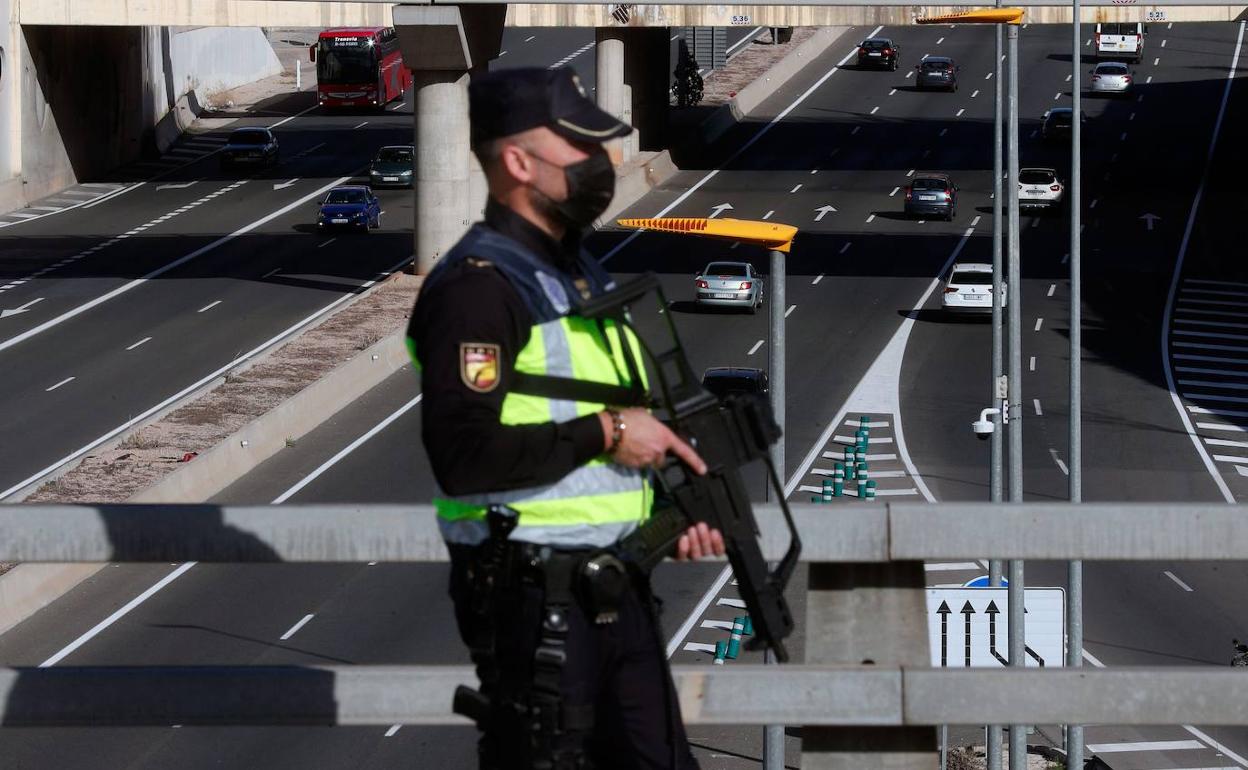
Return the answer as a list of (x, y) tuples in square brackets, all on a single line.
[(509, 101)]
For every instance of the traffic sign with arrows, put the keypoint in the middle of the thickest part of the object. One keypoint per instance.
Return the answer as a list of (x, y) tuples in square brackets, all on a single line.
[(980, 639)]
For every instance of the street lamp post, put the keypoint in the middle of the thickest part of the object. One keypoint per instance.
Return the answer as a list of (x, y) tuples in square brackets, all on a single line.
[(1074, 573)]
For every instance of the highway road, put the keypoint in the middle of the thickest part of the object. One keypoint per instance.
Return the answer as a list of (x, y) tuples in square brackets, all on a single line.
[(865, 339)]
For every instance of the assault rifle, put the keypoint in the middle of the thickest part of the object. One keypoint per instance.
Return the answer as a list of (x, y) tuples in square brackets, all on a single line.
[(728, 435)]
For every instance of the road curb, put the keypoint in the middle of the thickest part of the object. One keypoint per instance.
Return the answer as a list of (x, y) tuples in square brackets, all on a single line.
[(265, 436), (28, 588), (748, 99)]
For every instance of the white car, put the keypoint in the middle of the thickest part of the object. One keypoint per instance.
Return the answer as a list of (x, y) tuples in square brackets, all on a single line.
[(1111, 77), (969, 289), (1039, 188)]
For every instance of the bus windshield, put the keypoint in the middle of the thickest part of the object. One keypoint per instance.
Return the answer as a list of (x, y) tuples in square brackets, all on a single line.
[(346, 61)]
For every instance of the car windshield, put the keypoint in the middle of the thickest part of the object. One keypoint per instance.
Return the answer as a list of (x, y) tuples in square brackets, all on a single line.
[(345, 196), (935, 66), (929, 184), (1060, 118), (395, 155), (1111, 69), (1035, 176), (967, 277), (725, 268), (875, 45), (249, 137)]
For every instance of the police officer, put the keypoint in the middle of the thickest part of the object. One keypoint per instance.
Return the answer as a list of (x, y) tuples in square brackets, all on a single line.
[(573, 676)]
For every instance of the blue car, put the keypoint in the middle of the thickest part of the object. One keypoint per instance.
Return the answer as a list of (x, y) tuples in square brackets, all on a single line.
[(349, 206)]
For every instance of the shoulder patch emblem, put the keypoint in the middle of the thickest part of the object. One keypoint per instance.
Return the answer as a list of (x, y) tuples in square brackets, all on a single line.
[(478, 366)]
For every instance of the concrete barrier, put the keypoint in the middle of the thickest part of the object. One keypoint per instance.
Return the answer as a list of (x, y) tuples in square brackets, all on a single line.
[(266, 435), (28, 588)]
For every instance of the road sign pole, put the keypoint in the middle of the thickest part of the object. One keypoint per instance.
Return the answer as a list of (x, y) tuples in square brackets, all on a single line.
[(773, 735), (996, 467), (1074, 577), (1018, 733)]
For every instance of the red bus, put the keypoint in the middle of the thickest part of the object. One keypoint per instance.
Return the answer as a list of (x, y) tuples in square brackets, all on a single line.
[(359, 67)]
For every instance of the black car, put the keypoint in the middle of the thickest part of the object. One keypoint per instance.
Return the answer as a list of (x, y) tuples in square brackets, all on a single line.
[(1056, 123), (726, 381), (932, 194), (255, 145), (937, 72), (878, 52)]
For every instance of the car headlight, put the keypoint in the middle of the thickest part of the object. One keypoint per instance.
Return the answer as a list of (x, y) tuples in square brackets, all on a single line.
[(406, 173)]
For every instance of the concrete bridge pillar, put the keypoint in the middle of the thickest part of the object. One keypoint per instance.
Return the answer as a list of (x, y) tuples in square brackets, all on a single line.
[(10, 106), (441, 45), (632, 77)]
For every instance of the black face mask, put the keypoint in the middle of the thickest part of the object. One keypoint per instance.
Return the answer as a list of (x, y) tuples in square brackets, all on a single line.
[(591, 186)]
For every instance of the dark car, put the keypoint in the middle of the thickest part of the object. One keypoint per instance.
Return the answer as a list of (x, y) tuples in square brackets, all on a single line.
[(878, 52), (1056, 123), (392, 167), (937, 72), (726, 381), (349, 206), (932, 194), (250, 145)]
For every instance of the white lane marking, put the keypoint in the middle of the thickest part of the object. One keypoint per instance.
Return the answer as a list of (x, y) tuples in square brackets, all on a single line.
[(1156, 61), (894, 192), (874, 110), (754, 349), (975, 93), (1176, 579), (909, 74), (1092, 205), (65, 381), (845, 248), (768, 214), (365, 123), (1057, 96), (818, 278), (943, 131), (1039, 411), (274, 271), (501, 54), (300, 114), (750, 36), (137, 282), (988, 76), (209, 306), (734, 603), (395, 728), (1131, 117), (1032, 364), (1216, 746), (1231, 459), (870, 219), (1060, 465), (1148, 79), (851, 133), (1068, 78), (1052, 288), (890, 93), (1222, 426), (1203, 370), (975, 221), (955, 566), (762, 131), (140, 342), (1123, 137), (1226, 442), (295, 628), (673, 644), (298, 325), (348, 449), (94, 200), (795, 189), (938, 42), (910, 173), (789, 312), (323, 244), (118, 615), (959, 113), (1039, 321), (1110, 748)]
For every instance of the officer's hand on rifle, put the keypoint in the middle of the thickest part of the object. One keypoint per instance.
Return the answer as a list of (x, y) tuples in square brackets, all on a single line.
[(638, 440), (699, 541)]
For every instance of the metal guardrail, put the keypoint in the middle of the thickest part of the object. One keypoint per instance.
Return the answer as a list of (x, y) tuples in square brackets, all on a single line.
[(865, 604), (879, 532), (737, 695)]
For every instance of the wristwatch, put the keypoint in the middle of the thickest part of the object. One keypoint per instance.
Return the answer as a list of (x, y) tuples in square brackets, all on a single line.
[(617, 429)]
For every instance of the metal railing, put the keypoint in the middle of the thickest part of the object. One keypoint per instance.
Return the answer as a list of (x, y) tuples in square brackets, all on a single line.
[(865, 602)]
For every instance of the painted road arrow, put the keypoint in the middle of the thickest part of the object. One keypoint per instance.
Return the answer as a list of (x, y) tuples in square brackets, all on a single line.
[(181, 186), (721, 208), (284, 185), (944, 611), (967, 612), (22, 309), (1149, 219), (823, 212), (992, 633)]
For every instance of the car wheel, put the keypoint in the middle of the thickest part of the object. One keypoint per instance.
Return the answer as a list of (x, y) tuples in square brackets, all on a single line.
[(893, 67)]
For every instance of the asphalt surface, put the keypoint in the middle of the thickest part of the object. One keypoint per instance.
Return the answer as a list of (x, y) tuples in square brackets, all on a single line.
[(859, 279)]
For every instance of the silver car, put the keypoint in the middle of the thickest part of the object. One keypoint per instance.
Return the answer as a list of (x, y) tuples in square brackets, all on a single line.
[(1111, 77), (729, 284)]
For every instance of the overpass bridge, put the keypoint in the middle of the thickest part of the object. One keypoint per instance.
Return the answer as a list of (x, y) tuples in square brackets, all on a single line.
[(58, 127)]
